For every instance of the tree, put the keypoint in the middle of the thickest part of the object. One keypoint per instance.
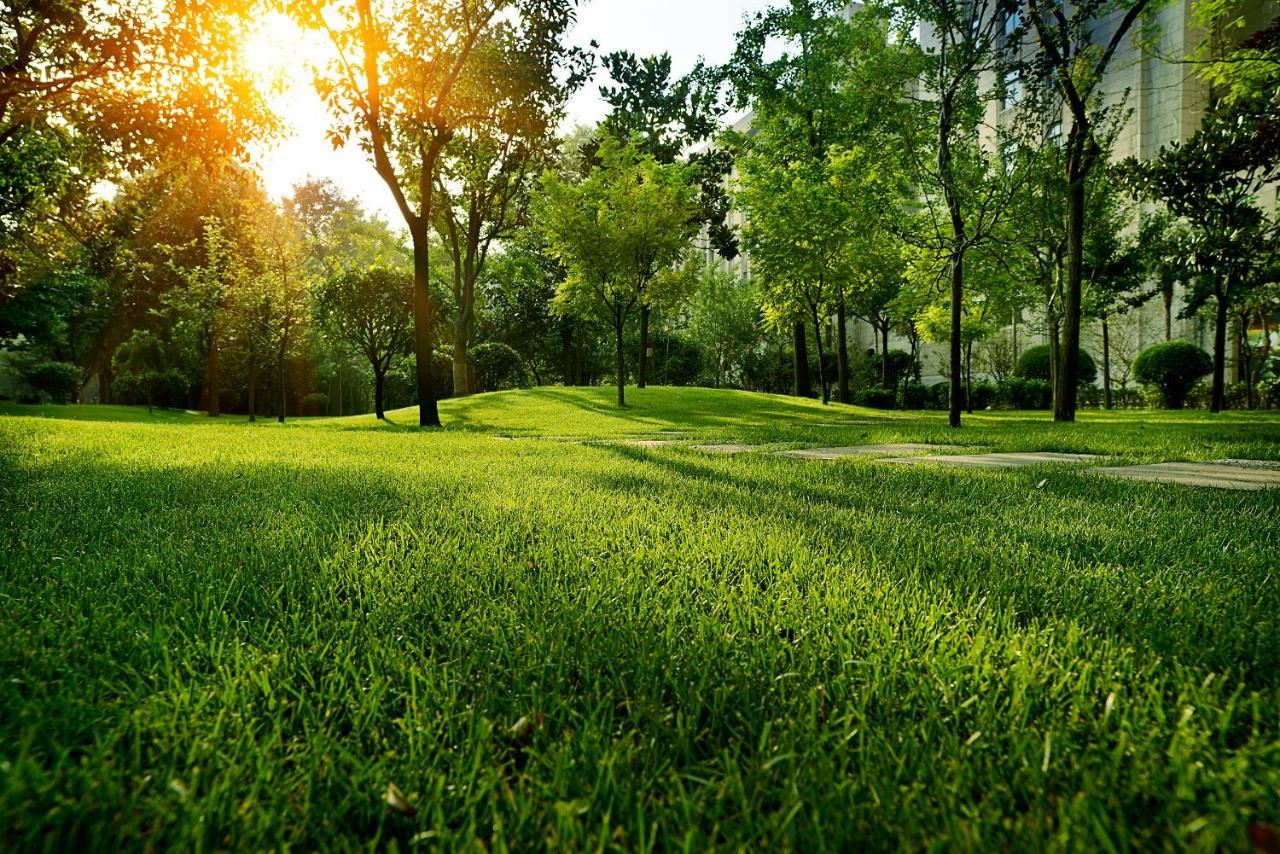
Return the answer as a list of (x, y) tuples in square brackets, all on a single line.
[(965, 195), (1077, 64), (403, 81), (623, 234), (1113, 272), (815, 77), (369, 313), (90, 92), (724, 321), (666, 116), (286, 284), (1212, 183)]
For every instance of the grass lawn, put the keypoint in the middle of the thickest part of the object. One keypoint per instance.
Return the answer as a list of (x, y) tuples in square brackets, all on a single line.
[(218, 635)]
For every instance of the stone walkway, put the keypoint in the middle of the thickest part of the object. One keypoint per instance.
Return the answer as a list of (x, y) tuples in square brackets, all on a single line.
[(996, 461), (1220, 474), (860, 451), (1223, 474), (724, 449)]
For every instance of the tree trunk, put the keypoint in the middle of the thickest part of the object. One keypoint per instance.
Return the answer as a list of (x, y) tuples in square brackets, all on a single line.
[(621, 363), (884, 354), (968, 377), (566, 352), (461, 380), (804, 388), (379, 382), (284, 397), (1219, 401), (1167, 293), (642, 372), (1055, 347), (1106, 364), (957, 300), (428, 411), (253, 387), (1068, 379), (211, 375), (842, 353), (822, 373)]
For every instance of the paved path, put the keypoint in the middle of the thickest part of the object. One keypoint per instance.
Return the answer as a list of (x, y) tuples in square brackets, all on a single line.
[(996, 461), (724, 449), (1224, 474), (860, 451)]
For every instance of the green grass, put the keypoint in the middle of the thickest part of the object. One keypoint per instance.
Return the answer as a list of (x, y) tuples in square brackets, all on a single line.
[(218, 635)]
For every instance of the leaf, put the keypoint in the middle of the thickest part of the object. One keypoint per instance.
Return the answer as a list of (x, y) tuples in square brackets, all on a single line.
[(1041, 484), (397, 802)]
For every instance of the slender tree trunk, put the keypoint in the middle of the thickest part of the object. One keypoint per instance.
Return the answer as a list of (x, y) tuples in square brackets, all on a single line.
[(801, 350), (642, 373), (1015, 336), (884, 354), (1106, 363), (1168, 313), (957, 301), (104, 379), (822, 373), (284, 395), (253, 387), (211, 375), (342, 409), (1055, 347), (423, 344), (842, 354), (461, 383), (1219, 401), (566, 351), (968, 377), (379, 382), (621, 362), (1064, 399)]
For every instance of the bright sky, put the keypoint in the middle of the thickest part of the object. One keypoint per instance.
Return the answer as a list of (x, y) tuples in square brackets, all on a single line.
[(687, 29)]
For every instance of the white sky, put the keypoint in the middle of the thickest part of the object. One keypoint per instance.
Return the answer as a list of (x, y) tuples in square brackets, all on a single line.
[(687, 29)]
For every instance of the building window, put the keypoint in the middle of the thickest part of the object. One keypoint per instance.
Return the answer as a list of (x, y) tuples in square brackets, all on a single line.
[(1012, 88), (1009, 157), (1012, 21), (1054, 134)]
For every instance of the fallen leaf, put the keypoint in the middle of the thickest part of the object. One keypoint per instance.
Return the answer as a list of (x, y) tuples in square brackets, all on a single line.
[(397, 801)]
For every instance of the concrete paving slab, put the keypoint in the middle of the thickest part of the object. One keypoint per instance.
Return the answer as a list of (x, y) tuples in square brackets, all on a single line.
[(724, 449), (649, 443), (1222, 475), (1268, 465), (996, 461), (860, 451)]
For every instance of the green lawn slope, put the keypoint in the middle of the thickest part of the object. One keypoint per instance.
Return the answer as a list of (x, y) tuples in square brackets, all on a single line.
[(224, 636)]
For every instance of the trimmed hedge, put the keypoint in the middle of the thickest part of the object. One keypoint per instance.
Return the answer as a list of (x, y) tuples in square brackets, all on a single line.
[(1172, 368), (1033, 364)]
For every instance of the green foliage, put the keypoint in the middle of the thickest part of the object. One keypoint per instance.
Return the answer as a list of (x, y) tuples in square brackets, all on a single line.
[(1019, 392), (724, 321), (55, 381), (876, 398), (498, 367), (1034, 364), (1173, 368)]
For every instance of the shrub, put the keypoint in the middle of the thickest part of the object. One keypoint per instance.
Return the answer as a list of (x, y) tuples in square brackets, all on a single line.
[(876, 398), (676, 361), (1269, 392), (915, 396), (166, 389), (315, 403), (984, 395), (54, 381), (939, 394), (1023, 393), (1033, 364), (1172, 368), (497, 367)]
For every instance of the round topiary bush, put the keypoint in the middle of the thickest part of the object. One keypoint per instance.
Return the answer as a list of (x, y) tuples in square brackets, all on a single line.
[(498, 367), (1033, 364), (1172, 368)]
